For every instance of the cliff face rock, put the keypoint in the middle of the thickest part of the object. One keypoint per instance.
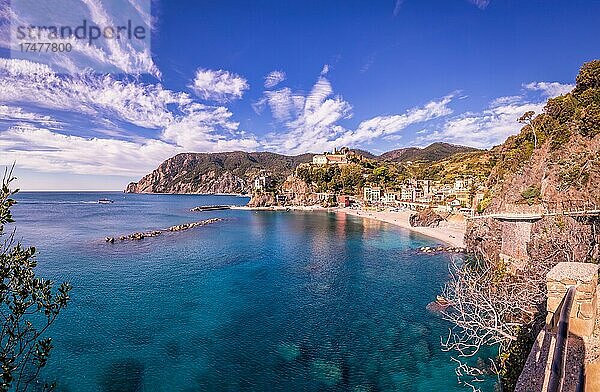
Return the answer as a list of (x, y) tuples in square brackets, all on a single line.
[(296, 191), (262, 200), (425, 218), (229, 172), (557, 171)]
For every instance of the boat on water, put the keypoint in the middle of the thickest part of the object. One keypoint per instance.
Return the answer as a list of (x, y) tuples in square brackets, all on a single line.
[(210, 208), (105, 201)]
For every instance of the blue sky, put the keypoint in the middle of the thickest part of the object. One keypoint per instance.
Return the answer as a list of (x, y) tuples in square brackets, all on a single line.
[(288, 77)]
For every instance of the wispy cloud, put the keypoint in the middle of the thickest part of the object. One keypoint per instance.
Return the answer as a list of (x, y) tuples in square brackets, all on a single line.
[(481, 4), (209, 129), (274, 78), (397, 7), (550, 89), (312, 122), (128, 56), (498, 121), (184, 124), (46, 151), (483, 129), (144, 105), (12, 114), (368, 63), (218, 85)]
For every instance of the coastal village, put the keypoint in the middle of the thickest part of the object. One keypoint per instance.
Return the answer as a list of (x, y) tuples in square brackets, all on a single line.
[(462, 195)]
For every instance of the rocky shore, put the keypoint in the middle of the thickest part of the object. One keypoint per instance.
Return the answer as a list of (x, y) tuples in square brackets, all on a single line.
[(137, 236)]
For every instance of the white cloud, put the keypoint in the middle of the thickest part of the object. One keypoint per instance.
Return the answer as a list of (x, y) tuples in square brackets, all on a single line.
[(144, 105), (106, 55), (283, 103), (218, 85), (17, 114), (204, 128), (274, 78), (497, 122), (388, 125), (550, 89), (184, 125), (46, 151), (312, 122), (511, 99), (484, 129), (325, 70)]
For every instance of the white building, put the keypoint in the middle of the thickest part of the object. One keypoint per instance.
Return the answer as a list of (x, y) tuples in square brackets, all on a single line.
[(330, 159), (320, 159), (372, 194), (389, 197), (260, 182)]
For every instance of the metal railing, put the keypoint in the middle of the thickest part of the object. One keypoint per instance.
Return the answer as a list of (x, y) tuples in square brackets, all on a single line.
[(557, 370)]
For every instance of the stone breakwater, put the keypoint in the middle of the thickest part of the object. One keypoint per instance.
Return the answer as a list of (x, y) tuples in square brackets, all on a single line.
[(447, 249), (141, 235)]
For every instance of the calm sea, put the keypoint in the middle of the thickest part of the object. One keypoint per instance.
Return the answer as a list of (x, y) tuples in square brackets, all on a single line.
[(261, 301)]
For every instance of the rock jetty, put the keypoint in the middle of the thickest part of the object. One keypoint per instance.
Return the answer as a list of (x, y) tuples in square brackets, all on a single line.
[(141, 235), (187, 226), (438, 249)]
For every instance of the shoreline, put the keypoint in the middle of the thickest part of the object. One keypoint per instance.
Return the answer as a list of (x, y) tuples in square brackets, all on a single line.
[(450, 233)]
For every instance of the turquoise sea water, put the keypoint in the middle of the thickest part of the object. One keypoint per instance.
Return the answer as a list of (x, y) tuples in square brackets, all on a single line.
[(261, 301)]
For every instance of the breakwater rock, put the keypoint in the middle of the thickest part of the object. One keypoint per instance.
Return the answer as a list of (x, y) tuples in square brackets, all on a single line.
[(141, 235), (187, 226), (438, 249)]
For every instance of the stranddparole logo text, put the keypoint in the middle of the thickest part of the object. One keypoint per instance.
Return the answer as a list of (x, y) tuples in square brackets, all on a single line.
[(85, 31)]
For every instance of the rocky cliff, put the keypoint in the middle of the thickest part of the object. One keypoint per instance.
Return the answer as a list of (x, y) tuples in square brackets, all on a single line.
[(553, 165), (227, 172)]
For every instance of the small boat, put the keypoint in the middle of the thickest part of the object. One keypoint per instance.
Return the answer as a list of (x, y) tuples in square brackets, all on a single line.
[(105, 201), (210, 208)]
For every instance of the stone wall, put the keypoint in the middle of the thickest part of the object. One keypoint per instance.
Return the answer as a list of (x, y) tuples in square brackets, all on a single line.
[(585, 277), (536, 373), (515, 237)]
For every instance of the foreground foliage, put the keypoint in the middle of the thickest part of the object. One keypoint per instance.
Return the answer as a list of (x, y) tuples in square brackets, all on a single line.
[(28, 305)]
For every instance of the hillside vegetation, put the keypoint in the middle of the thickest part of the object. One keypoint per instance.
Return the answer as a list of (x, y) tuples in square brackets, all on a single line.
[(233, 172), (553, 164)]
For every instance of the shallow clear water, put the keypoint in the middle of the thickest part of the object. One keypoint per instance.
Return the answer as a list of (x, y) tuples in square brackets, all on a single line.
[(262, 301)]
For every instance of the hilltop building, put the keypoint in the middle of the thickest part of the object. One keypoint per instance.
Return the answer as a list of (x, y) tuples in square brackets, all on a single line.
[(337, 157)]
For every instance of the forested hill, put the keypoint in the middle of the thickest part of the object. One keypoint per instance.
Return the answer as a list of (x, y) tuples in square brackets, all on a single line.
[(233, 172)]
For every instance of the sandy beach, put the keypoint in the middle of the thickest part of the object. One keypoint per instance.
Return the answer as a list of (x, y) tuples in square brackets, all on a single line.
[(452, 233)]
